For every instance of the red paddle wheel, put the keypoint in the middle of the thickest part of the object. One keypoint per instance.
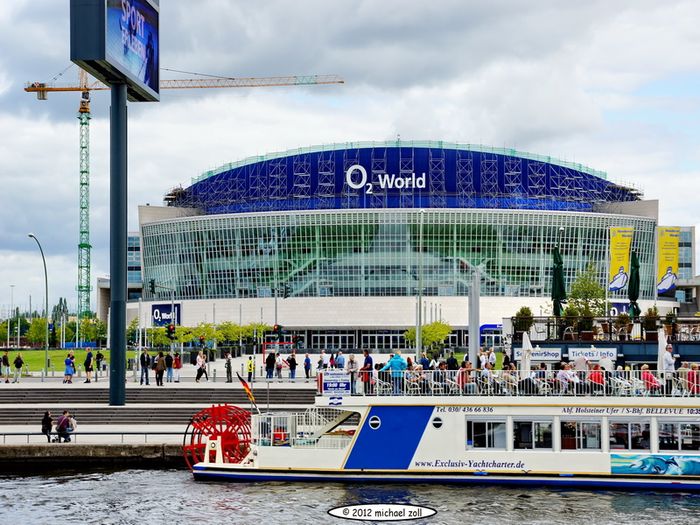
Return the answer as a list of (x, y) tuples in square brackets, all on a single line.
[(229, 422)]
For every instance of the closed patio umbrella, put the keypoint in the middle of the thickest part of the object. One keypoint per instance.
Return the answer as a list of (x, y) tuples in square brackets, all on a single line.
[(526, 357), (661, 350), (633, 286), (558, 289)]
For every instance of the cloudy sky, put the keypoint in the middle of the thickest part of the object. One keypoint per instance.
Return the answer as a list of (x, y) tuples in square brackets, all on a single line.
[(613, 85)]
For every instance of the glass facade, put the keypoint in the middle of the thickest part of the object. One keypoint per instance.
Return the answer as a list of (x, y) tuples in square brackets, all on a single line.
[(382, 252)]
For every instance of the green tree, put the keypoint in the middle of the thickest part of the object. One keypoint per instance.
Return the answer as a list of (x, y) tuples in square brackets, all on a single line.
[(132, 331), (432, 335), (183, 334), (159, 336), (206, 330), (587, 294), (3, 331), (251, 329), (37, 331), (229, 332)]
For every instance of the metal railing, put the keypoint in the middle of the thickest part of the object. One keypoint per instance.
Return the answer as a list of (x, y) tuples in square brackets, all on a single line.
[(564, 382), (75, 435), (607, 329)]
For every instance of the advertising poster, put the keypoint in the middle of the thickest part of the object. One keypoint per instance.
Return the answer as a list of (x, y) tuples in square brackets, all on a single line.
[(667, 267), (619, 267), (132, 40)]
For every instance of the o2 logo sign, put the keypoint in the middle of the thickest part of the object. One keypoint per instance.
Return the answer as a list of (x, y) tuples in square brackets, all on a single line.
[(356, 177)]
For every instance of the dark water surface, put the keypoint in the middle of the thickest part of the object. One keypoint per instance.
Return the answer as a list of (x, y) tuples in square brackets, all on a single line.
[(154, 497)]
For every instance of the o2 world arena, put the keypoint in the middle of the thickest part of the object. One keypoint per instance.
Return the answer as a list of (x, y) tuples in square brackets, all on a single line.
[(346, 235)]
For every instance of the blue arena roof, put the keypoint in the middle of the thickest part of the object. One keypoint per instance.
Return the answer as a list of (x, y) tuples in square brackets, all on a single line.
[(399, 174)]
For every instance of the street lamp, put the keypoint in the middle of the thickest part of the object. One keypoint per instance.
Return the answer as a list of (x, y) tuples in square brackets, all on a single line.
[(11, 315), (419, 316), (46, 304)]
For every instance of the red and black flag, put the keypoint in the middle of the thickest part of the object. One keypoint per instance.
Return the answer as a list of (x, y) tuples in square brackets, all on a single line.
[(248, 391)]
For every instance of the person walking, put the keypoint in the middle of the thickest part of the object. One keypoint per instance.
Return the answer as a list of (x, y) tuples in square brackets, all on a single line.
[(352, 369), (68, 369), (229, 368), (99, 357), (269, 365), (340, 361), (251, 368), (366, 372), (177, 365), (6, 366), (169, 367), (46, 424), (19, 363), (201, 366), (669, 364), (88, 366), (145, 362), (397, 366), (307, 367), (160, 369), (279, 363), (292, 363)]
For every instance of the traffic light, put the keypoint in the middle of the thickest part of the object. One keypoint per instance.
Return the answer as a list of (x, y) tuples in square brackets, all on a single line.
[(277, 331), (286, 291), (152, 286), (202, 340), (171, 331)]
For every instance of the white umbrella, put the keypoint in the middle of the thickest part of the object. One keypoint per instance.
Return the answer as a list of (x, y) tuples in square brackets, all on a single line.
[(525, 357), (661, 351), (581, 364), (606, 364)]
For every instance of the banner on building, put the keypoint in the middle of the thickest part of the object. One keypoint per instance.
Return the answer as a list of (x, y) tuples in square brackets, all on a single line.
[(619, 267), (667, 257)]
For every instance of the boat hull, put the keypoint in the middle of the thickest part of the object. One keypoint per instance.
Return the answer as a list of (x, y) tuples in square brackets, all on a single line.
[(214, 473)]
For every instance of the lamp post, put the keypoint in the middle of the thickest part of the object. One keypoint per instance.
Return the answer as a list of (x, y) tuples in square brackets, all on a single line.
[(419, 316), (46, 304), (11, 314)]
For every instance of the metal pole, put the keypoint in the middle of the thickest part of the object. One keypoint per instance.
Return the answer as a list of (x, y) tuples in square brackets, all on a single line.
[(419, 320), (117, 243), (17, 323), (11, 315), (46, 305), (474, 318)]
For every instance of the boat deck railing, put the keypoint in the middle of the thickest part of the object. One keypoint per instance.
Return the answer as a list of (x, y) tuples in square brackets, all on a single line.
[(540, 382), (317, 427)]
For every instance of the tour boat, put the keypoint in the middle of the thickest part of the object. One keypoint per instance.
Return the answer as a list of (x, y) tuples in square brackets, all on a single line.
[(432, 427)]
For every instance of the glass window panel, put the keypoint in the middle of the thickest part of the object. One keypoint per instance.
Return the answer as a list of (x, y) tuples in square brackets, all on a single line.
[(690, 436), (668, 436)]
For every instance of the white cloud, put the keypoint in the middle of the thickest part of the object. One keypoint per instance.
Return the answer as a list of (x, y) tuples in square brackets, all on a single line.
[(558, 78)]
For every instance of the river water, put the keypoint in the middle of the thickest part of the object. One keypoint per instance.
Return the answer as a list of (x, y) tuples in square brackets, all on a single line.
[(153, 497)]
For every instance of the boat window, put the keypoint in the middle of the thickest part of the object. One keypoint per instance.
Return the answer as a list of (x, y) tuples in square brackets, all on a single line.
[(580, 435), (486, 434), (679, 436), (625, 435), (532, 434)]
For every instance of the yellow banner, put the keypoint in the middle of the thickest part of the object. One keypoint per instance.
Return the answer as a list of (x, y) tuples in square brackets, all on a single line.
[(620, 244), (667, 267)]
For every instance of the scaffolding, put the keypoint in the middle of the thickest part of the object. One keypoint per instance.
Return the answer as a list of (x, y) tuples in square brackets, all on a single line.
[(457, 176)]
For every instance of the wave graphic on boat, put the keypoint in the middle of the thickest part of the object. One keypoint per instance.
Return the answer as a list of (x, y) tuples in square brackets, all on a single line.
[(655, 464)]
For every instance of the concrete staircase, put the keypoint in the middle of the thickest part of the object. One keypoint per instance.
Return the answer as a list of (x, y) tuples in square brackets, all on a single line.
[(161, 406)]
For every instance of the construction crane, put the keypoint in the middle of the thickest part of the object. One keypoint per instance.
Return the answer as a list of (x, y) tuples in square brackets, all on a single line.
[(85, 86)]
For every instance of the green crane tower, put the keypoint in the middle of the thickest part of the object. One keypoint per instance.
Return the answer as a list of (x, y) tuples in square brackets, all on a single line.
[(84, 245)]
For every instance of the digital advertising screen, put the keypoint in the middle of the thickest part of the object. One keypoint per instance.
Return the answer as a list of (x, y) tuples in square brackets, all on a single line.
[(131, 41)]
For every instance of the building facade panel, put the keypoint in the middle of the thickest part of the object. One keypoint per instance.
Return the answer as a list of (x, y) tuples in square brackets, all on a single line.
[(380, 253)]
